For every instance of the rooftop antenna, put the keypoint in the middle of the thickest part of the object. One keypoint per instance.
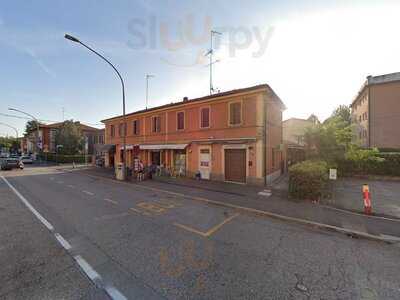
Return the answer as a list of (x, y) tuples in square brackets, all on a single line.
[(210, 54), (63, 117), (147, 88)]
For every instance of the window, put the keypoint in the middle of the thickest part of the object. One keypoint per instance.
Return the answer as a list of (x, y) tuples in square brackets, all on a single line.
[(112, 129), (121, 131), (235, 113), (205, 117), (156, 126), (136, 127), (180, 120), (359, 118)]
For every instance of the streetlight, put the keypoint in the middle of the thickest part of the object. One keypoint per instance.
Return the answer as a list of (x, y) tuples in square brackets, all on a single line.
[(74, 39), (147, 88), (37, 126), (16, 131)]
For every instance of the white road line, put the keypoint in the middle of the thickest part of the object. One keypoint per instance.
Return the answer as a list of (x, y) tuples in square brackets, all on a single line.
[(89, 271), (51, 178), (88, 193), (71, 186), (62, 241), (60, 182), (111, 201), (29, 206), (115, 294)]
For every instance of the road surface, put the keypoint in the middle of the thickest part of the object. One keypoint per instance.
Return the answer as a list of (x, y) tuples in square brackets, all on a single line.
[(105, 239)]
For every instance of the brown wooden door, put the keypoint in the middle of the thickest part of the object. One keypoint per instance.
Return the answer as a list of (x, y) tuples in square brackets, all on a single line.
[(235, 165)]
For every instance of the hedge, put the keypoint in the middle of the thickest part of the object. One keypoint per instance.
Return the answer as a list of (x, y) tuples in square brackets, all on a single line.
[(308, 180), (380, 163), (60, 158)]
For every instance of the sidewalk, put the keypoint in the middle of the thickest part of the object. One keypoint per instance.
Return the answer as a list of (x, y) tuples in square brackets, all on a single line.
[(247, 198)]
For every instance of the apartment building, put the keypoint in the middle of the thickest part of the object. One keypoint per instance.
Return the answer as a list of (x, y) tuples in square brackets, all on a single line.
[(376, 112), (47, 137), (232, 136)]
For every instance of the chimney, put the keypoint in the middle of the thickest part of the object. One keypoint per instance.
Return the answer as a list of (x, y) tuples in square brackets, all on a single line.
[(185, 99)]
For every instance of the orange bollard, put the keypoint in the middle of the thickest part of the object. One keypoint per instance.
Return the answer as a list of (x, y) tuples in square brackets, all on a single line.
[(367, 200)]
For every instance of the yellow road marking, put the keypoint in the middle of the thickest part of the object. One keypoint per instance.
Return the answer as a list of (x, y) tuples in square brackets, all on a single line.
[(190, 229), (215, 228), (209, 232)]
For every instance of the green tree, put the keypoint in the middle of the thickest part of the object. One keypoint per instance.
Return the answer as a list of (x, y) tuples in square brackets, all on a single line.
[(331, 139), (31, 126), (9, 143), (70, 137)]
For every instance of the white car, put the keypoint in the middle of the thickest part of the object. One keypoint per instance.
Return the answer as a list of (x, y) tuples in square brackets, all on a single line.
[(26, 159)]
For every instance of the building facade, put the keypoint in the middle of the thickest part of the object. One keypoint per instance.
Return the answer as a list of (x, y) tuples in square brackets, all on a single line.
[(293, 139), (47, 138), (232, 136), (376, 112)]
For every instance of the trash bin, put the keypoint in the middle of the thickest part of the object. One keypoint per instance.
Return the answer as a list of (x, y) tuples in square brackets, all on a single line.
[(119, 172)]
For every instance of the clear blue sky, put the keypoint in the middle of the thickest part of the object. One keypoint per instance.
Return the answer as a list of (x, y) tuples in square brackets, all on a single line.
[(308, 46)]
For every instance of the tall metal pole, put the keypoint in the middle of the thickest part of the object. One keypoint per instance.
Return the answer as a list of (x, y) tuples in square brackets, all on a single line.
[(211, 62), (210, 53), (74, 39)]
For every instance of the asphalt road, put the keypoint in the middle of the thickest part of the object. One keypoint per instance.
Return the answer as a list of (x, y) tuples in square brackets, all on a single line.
[(139, 243)]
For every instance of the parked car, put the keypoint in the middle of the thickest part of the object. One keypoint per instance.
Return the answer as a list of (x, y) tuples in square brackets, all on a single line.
[(10, 163), (26, 159)]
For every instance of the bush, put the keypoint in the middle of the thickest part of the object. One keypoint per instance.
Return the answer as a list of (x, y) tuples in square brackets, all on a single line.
[(308, 180), (60, 158), (369, 162)]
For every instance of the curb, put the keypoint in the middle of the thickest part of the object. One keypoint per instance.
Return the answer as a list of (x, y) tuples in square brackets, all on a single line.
[(349, 232)]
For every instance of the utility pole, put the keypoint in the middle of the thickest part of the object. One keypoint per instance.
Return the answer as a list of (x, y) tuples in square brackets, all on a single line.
[(147, 88), (210, 54)]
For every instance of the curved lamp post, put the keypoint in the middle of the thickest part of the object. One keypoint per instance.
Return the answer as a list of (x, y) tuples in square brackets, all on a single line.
[(74, 39), (37, 125)]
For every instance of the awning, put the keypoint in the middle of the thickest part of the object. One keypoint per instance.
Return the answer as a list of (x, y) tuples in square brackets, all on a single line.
[(163, 147), (107, 148)]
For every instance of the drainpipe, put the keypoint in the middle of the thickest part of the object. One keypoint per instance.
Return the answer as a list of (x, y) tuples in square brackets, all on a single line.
[(369, 117), (265, 141)]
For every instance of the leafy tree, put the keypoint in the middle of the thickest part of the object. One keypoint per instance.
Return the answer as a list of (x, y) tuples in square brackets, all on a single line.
[(31, 126), (70, 137), (9, 143), (314, 119), (331, 139)]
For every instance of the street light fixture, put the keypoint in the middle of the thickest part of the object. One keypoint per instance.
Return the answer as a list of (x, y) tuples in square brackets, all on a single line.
[(74, 39), (37, 126)]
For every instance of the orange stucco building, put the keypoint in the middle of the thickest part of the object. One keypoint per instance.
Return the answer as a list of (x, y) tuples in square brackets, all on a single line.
[(231, 136)]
